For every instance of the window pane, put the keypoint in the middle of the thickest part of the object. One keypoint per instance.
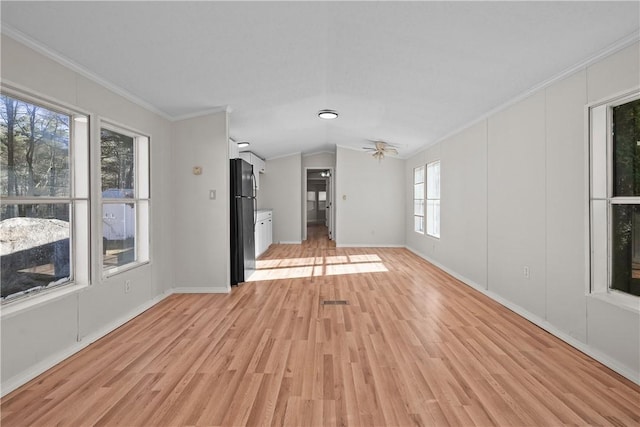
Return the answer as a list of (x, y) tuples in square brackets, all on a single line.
[(418, 207), (35, 251), (433, 180), (322, 196), (418, 191), (418, 224), (418, 175), (34, 150), (117, 164), (118, 234), (311, 196), (625, 248), (433, 218), (626, 149)]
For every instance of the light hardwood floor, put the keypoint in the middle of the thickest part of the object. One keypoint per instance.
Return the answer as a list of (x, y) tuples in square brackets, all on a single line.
[(413, 347)]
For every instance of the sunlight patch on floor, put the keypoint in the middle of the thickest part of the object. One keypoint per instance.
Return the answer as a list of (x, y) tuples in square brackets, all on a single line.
[(287, 262), (295, 268)]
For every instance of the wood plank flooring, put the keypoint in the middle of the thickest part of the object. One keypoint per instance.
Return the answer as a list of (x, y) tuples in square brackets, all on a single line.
[(413, 347)]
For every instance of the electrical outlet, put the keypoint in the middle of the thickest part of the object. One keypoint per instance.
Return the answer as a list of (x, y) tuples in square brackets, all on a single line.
[(525, 272), (127, 286)]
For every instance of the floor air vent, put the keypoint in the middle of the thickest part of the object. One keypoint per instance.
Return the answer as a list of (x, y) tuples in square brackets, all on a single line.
[(335, 302)]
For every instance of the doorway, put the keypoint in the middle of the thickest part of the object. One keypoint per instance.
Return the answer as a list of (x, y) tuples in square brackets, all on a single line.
[(318, 213)]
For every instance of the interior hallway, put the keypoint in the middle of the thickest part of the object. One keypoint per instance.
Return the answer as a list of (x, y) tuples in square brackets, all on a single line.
[(318, 237), (412, 346)]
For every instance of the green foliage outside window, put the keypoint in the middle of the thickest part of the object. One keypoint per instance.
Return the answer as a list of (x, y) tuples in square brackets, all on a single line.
[(625, 218)]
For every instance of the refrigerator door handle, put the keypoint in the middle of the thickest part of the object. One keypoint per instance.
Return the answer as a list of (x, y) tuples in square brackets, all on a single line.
[(255, 213), (255, 200)]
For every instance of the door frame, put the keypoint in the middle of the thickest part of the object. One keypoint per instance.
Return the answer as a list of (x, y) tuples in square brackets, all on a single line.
[(331, 185)]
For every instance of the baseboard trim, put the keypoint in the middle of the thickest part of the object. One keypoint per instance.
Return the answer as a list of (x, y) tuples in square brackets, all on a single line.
[(201, 290), (596, 354), (295, 242), (39, 368)]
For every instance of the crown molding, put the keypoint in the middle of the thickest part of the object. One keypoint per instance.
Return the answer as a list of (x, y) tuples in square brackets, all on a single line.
[(315, 153), (297, 153), (607, 51), (214, 110), (20, 37)]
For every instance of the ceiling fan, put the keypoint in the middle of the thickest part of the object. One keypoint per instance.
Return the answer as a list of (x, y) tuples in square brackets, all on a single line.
[(380, 149)]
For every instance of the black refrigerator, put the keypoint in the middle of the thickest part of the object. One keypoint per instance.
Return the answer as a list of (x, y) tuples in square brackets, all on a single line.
[(243, 210)]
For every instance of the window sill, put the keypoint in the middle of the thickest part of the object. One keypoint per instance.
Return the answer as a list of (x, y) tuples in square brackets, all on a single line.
[(32, 301), (123, 268), (619, 299)]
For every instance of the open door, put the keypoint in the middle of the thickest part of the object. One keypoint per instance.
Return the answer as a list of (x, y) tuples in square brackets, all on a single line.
[(318, 193), (329, 218)]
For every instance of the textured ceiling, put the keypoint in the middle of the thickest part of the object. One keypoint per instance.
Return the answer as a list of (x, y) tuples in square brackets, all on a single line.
[(405, 72)]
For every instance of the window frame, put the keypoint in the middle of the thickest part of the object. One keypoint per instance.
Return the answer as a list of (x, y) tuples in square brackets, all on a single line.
[(428, 198), (142, 197), (599, 118), (79, 201), (423, 199)]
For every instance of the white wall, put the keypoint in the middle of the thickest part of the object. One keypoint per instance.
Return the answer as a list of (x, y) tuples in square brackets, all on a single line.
[(281, 190), (34, 339), (319, 160), (463, 189), (369, 207), (515, 193), (201, 225)]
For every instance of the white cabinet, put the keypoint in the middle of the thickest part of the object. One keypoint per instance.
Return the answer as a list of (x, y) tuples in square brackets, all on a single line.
[(259, 165), (264, 231)]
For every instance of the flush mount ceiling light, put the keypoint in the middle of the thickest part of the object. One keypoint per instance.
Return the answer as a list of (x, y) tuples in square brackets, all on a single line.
[(243, 144), (328, 114)]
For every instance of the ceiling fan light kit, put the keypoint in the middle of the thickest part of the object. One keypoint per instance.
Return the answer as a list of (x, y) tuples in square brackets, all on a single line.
[(381, 148), (328, 114)]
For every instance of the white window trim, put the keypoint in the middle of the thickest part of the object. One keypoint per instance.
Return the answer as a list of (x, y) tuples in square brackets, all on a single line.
[(599, 120), (427, 198), (142, 228), (79, 232), (424, 199)]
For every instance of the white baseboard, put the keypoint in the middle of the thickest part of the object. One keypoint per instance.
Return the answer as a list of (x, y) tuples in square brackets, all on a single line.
[(24, 377), (368, 245), (295, 242), (201, 290), (596, 354)]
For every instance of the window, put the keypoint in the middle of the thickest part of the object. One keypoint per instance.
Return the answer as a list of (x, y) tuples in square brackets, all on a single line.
[(124, 164), (615, 195), (44, 179), (418, 199), (433, 199)]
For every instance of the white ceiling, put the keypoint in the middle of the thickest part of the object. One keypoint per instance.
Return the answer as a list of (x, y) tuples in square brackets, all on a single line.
[(405, 72)]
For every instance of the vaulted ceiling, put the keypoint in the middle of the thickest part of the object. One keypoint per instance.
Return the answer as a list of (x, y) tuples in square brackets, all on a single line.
[(408, 73)]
